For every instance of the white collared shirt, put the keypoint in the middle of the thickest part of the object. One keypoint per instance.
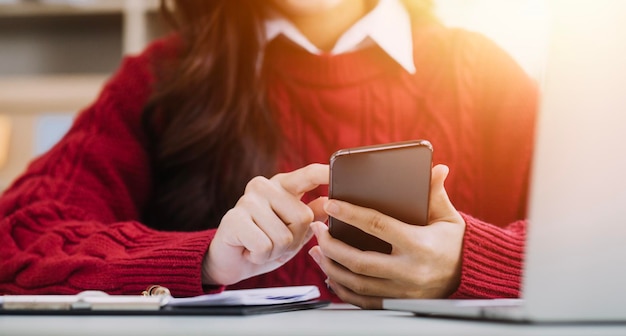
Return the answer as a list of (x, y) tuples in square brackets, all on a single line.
[(388, 25)]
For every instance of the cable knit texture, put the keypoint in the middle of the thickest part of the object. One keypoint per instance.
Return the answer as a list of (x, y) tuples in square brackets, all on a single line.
[(72, 221)]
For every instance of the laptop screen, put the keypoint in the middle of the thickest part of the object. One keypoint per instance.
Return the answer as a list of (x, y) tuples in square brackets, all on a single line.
[(576, 249)]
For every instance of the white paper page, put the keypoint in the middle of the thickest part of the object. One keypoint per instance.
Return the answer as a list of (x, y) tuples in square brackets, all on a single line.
[(258, 296)]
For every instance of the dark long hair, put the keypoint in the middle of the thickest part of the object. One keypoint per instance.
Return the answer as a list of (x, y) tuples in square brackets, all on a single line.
[(210, 129), (209, 124)]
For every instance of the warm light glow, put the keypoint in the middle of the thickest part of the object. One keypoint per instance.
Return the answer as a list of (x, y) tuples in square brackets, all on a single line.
[(518, 26)]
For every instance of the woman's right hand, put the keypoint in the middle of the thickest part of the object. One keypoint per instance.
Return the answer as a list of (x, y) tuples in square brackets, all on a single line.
[(266, 228)]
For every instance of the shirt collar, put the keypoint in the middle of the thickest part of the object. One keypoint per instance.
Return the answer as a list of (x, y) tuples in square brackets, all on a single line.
[(388, 25)]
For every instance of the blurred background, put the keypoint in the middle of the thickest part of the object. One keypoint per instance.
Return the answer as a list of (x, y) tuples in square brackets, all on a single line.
[(56, 54)]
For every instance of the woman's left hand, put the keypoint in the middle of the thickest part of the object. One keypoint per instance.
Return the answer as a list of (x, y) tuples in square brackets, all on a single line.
[(425, 261)]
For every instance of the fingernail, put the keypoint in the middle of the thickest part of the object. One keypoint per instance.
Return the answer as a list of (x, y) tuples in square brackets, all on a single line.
[(330, 288), (315, 228), (332, 208), (315, 255)]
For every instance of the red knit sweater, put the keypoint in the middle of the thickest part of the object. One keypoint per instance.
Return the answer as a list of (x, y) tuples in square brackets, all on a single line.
[(71, 221)]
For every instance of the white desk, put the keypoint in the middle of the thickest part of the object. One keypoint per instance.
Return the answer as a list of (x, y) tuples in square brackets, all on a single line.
[(333, 320)]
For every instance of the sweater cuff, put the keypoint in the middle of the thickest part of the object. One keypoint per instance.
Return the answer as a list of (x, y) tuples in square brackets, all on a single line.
[(170, 259), (492, 260)]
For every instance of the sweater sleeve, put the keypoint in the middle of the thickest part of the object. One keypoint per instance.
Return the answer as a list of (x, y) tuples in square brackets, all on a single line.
[(506, 101), (71, 221), (492, 260)]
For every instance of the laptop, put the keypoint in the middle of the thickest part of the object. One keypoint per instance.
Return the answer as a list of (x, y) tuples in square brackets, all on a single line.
[(575, 263)]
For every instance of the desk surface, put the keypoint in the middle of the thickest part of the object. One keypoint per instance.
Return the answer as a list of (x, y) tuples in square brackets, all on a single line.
[(333, 320)]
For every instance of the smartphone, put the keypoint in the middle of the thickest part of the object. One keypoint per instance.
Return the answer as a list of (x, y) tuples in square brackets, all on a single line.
[(393, 179)]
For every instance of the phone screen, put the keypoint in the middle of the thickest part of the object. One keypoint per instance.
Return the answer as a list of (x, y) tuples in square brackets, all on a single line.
[(393, 179)]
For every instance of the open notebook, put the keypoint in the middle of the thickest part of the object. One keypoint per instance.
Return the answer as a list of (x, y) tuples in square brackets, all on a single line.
[(230, 302)]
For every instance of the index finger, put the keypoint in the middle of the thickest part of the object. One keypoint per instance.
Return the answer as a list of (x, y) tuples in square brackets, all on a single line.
[(371, 221), (304, 179)]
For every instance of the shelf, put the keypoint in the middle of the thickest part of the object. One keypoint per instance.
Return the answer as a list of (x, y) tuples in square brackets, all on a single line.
[(31, 9), (54, 93), (55, 59)]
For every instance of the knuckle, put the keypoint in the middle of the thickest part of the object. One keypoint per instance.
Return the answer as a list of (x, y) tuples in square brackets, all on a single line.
[(360, 288), (377, 224), (305, 216), (248, 205), (285, 241), (256, 183), (359, 266), (235, 214), (263, 251), (278, 176), (245, 201)]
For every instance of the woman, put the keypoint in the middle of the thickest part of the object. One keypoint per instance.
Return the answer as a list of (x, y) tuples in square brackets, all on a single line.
[(200, 165)]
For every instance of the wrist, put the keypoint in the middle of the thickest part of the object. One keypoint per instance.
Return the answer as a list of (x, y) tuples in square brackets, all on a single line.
[(207, 278)]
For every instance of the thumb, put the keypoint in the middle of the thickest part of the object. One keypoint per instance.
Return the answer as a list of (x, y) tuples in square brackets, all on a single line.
[(440, 209), (317, 205)]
